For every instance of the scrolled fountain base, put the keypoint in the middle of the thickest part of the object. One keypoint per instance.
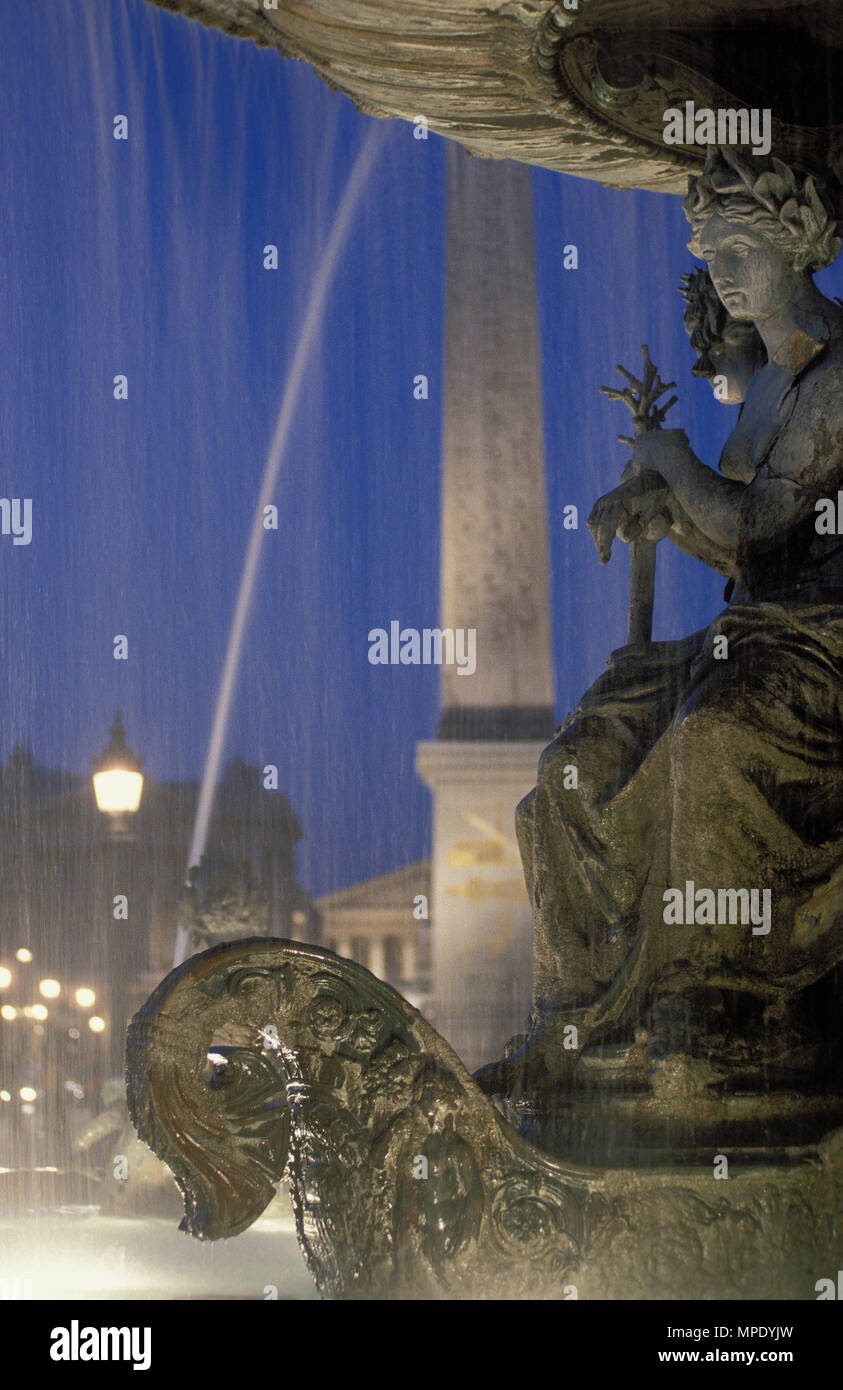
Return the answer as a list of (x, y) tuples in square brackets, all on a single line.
[(259, 1059)]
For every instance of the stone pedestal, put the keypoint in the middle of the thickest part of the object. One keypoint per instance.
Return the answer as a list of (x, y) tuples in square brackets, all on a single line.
[(482, 926)]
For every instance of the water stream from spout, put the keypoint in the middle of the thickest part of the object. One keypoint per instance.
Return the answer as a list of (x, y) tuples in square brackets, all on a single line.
[(308, 336)]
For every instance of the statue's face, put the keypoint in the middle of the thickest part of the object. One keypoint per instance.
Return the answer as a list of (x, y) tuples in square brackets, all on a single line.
[(753, 278)]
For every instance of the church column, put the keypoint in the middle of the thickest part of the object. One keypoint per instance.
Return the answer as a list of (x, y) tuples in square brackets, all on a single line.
[(376, 956), (409, 960)]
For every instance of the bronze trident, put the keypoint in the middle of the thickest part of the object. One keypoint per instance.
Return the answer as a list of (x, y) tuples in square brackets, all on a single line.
[(641, 397)]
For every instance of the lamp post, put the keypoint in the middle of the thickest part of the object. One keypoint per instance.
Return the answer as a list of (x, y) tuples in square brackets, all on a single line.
[(118, 780), (118, 784)]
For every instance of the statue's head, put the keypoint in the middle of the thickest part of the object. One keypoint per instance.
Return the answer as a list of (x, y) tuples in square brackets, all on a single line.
[(728, 350), (761, 228)]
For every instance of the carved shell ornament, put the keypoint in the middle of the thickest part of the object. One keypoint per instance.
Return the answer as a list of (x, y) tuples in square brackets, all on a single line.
[(262, 1059)]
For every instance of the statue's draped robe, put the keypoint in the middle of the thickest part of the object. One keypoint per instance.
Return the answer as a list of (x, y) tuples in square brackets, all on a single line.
[(723, 771)]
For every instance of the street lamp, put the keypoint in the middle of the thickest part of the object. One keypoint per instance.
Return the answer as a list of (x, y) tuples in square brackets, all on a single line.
[(118, 783), (118, 780)]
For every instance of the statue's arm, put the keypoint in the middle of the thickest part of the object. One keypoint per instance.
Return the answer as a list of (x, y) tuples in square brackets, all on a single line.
[(806, 466), (692, 541), (644, 506), (706, 504)]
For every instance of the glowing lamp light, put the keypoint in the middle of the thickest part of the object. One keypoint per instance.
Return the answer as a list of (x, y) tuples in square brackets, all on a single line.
[(8, 1012), (118, 780), (96, 1024), (118, 791), (5, 1095), (23, 955), (85, 998), (50, 989), (28, 1093), (5, 977), (38, 1011)]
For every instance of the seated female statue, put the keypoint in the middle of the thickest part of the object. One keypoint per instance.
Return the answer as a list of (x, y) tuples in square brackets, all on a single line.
[(710, 770)]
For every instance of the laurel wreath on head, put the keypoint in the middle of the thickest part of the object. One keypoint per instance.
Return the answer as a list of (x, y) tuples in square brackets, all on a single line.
[(797, 205)]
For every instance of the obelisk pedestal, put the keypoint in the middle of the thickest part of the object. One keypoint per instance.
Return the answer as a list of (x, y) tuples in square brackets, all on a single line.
[(482, 937)]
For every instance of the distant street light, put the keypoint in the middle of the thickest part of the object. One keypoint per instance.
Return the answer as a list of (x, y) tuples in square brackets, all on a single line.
[(49, 989), (118, 784), (23, 955), (85, 998), (9, 1012), (118, 780), (5, 977)]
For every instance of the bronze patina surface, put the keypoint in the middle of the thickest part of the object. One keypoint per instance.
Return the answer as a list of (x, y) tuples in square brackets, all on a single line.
[(261, 1058)]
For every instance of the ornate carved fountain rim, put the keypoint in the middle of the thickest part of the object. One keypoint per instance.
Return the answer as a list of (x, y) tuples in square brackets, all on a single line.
[(626, 66)]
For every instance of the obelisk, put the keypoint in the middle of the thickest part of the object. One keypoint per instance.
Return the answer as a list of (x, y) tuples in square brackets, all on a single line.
[(495, 580)]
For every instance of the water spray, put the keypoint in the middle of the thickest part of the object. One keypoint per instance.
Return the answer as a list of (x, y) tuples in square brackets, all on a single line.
[(322, 283)]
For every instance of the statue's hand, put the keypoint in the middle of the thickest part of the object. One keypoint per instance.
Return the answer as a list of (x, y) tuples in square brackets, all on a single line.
[(660, 451), (651, 519), (636, 510)]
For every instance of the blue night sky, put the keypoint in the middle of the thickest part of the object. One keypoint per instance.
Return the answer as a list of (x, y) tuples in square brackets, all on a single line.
[(144, 257)]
